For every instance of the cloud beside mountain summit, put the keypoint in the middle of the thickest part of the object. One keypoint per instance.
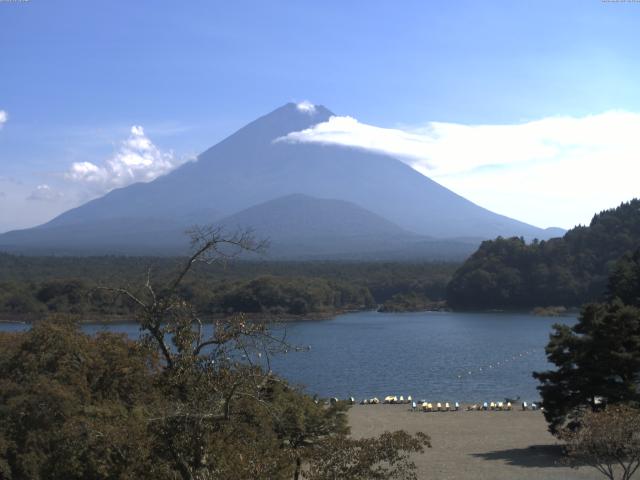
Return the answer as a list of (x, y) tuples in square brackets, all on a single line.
[(576, 164)]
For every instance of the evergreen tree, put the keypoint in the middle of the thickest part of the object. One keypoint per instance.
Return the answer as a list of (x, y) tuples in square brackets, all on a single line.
[(598, 359)]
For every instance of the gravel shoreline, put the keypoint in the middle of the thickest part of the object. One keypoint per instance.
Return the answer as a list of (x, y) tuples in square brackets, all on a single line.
[(491, 445)]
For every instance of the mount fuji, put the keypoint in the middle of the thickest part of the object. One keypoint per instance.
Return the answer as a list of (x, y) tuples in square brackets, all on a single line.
[(312, 200)]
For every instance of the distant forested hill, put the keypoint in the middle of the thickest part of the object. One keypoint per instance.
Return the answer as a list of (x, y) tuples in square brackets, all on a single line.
[(569, 271)]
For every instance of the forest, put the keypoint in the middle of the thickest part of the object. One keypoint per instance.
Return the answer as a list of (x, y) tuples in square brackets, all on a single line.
[(505, 273), (81, 286), (509, 273)]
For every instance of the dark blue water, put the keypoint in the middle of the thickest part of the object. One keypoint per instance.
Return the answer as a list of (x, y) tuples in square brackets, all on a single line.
[(453, 356), (465, 357)]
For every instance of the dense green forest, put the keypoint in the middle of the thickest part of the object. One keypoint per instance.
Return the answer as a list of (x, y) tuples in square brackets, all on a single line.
[(568, 271), (32, 286)]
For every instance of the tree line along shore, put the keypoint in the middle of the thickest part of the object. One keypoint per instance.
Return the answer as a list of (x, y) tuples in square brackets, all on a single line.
[(33, 286), (545, 277)]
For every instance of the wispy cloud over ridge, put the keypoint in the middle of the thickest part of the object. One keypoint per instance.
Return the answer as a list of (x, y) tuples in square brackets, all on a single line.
[(44, 193), (4, 116), (513, 168)]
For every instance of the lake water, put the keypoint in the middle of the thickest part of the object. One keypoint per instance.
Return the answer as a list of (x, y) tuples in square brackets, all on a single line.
[(465, 357)]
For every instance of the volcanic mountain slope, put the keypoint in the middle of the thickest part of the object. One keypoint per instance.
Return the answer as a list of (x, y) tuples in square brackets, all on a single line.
[(252, 167), (299, 226)]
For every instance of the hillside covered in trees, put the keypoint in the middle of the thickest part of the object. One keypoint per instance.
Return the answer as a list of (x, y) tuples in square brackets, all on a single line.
[(568, 271)]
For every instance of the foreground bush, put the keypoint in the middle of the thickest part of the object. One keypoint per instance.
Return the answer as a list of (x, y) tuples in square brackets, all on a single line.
[(608, 440), (75, 406)]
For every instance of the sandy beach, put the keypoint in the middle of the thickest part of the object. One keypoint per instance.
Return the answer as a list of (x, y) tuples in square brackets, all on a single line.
[(474, 445)]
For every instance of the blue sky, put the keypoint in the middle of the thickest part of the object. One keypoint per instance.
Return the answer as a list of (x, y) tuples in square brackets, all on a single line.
[(76, 76)]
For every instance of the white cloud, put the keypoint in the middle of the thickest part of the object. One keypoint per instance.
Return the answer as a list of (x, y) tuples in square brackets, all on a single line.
[(4, 116), (553, 171), (25, 204), (44, 193), (306, 107), (137, 160)]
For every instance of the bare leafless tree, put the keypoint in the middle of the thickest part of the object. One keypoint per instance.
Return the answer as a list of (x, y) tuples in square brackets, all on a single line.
[(163, 313), (207, 365), (607, 440)]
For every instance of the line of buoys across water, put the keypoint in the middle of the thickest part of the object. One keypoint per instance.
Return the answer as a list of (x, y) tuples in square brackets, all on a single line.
[(495, 365)]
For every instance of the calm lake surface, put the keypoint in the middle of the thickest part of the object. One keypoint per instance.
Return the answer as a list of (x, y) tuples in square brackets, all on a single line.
[(465, 357)]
